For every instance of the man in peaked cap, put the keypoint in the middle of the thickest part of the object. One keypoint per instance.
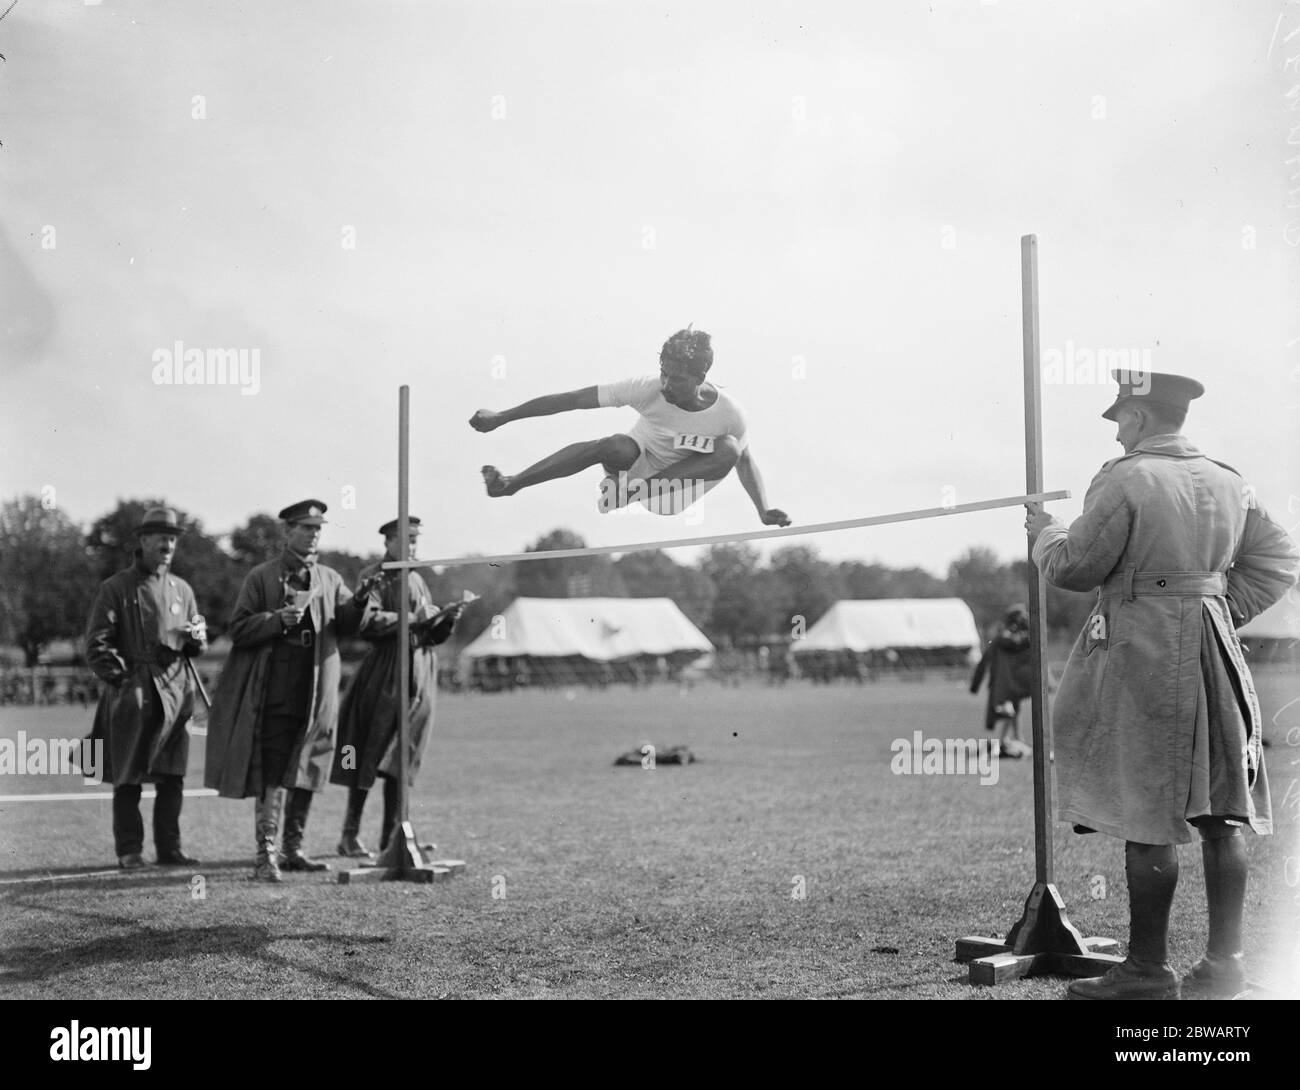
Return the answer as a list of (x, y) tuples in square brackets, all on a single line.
[(271, 729), (1156, 723), (143, 623), (368, 720), (1166, 396)]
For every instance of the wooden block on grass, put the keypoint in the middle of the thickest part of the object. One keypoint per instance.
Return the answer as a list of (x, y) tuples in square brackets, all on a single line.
[(999, 968), (977, 946), (424, 875), (1088, 965), (419, 875)]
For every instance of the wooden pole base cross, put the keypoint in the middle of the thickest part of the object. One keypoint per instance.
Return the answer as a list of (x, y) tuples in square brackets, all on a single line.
[(405, 860), (1042, 941)]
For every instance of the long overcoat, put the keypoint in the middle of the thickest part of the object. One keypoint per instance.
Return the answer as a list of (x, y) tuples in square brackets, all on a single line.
[(1156, 721), (134, 647), (367, 739), (234, 751)]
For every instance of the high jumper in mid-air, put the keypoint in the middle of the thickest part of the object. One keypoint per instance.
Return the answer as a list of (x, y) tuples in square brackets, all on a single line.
[(690, 436)]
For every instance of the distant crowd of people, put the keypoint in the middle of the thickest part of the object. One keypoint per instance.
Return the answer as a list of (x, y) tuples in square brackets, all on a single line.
[(22, 686)]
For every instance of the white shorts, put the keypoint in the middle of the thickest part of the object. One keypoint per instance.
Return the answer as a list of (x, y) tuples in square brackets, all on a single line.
[(667, 497)]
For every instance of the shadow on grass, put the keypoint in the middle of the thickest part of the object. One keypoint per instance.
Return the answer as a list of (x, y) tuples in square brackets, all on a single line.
[(144, 945)]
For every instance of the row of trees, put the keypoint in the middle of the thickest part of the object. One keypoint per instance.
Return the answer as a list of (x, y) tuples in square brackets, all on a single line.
[(50, 567)]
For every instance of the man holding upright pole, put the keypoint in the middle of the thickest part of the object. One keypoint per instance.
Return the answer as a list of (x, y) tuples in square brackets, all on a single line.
[(368, 719), (1156, 722)]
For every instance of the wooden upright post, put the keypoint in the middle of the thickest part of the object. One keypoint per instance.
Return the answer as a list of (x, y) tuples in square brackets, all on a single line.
[(1043, 940), (403, 859), (1042, 728), (404, 610)]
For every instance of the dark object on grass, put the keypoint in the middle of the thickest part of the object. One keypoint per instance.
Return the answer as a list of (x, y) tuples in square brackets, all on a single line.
[(648, 756)]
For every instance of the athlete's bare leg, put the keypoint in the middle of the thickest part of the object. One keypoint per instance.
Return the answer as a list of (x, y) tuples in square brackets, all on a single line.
[(616, 452)]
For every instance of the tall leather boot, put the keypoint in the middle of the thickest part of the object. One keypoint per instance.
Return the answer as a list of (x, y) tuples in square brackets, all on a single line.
[(1222, 972), (1152, 871), (350, 845), (295, 824), (266, 824)]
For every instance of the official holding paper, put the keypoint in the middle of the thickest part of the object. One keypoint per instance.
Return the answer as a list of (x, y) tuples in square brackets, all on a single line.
[(367, 742)]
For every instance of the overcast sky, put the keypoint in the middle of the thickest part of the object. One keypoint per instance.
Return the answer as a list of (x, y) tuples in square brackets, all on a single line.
[(492, 201)]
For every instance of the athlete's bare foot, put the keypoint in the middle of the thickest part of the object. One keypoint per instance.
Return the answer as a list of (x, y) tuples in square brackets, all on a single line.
[(498, 484)]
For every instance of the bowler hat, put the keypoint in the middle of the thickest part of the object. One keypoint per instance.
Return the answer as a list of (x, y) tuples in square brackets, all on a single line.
[(307, 512), (1171, 391), (159, 520), (388, 529)]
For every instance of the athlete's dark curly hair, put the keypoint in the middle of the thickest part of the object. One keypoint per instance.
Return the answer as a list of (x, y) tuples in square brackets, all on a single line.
[(688, 346)]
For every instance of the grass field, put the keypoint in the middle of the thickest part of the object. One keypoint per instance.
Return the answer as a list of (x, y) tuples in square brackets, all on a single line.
[(589, 881)]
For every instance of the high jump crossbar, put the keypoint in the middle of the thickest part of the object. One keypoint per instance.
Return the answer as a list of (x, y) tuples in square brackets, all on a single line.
[(747, 535)]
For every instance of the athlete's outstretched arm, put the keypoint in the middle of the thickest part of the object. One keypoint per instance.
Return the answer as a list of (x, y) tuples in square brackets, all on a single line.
[(487, 420), (747, 471)]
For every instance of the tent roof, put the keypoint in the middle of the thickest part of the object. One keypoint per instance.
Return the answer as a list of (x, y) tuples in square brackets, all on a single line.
[(601, 629), (1281, 621), (880, 623)]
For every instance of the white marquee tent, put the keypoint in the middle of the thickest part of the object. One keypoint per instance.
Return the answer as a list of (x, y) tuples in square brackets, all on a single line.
[(596, 629), (891, 623)]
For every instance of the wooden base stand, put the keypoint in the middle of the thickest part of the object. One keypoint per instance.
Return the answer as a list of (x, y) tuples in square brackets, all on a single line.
[(1042, 941), (405, 860)]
